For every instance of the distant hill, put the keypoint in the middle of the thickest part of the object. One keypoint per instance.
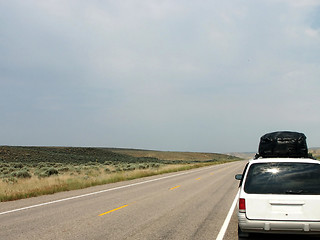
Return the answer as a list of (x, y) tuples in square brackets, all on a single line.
[(173, 156), (249, 155), (243, 155), (315, 152), (100, 155)]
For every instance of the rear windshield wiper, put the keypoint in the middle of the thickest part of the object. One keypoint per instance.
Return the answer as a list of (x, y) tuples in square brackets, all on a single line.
[(294, 191)]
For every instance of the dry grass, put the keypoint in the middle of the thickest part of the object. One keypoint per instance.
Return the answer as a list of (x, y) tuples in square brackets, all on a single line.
[(34, 186)]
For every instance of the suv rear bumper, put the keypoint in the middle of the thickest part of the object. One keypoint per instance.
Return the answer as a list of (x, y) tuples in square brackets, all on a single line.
[(287, 227)]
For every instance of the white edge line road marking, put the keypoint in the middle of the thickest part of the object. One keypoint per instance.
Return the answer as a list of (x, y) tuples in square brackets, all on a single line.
[(102, 191), (228, 218)]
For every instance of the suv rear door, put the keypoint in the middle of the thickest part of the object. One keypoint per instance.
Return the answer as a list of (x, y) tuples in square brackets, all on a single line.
[(283, 191)]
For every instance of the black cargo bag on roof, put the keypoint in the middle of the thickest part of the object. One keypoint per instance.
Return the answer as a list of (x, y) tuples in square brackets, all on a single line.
[(283, 144)]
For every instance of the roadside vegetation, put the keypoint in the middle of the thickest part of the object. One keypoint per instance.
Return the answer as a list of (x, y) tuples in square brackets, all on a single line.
[(315, 153), (34, 171)]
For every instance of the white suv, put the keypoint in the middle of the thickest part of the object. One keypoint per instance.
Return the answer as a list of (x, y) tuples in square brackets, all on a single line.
[(279, 195)]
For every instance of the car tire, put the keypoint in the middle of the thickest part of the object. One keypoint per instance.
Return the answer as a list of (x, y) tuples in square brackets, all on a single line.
[(242, 235)]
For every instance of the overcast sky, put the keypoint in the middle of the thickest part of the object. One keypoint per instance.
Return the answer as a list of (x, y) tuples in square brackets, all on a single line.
[(181, 75)]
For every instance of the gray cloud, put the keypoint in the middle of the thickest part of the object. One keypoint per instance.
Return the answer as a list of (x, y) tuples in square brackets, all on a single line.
[(170, 75)]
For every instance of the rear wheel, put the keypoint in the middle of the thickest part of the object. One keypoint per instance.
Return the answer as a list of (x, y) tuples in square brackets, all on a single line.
[(242, 235)]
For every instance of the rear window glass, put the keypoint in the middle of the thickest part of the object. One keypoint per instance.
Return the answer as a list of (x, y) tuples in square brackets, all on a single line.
[(283, 178)]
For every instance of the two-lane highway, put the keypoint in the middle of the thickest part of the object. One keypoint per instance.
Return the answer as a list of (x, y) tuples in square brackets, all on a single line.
[(186, 205)]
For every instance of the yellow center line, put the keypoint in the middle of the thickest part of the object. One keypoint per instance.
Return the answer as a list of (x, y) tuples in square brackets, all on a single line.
[(198, 178), (211, 173), (113, 210), (175, 187)]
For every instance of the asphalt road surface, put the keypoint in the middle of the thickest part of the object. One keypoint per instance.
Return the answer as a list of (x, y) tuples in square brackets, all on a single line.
[(192, 204)]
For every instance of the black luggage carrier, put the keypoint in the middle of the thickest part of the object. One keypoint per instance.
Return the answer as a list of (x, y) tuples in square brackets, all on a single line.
[(283, 144)]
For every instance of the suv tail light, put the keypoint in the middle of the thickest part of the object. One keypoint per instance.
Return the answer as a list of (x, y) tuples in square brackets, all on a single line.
[(242, 205)]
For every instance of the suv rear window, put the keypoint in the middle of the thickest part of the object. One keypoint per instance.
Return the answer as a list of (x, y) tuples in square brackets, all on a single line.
[(283, 178)]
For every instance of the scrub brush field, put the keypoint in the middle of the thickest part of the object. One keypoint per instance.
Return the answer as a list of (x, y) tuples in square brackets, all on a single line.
[(34, 171)]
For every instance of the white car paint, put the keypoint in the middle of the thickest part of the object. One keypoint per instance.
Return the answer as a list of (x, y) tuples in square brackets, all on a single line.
[(278, 213)]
